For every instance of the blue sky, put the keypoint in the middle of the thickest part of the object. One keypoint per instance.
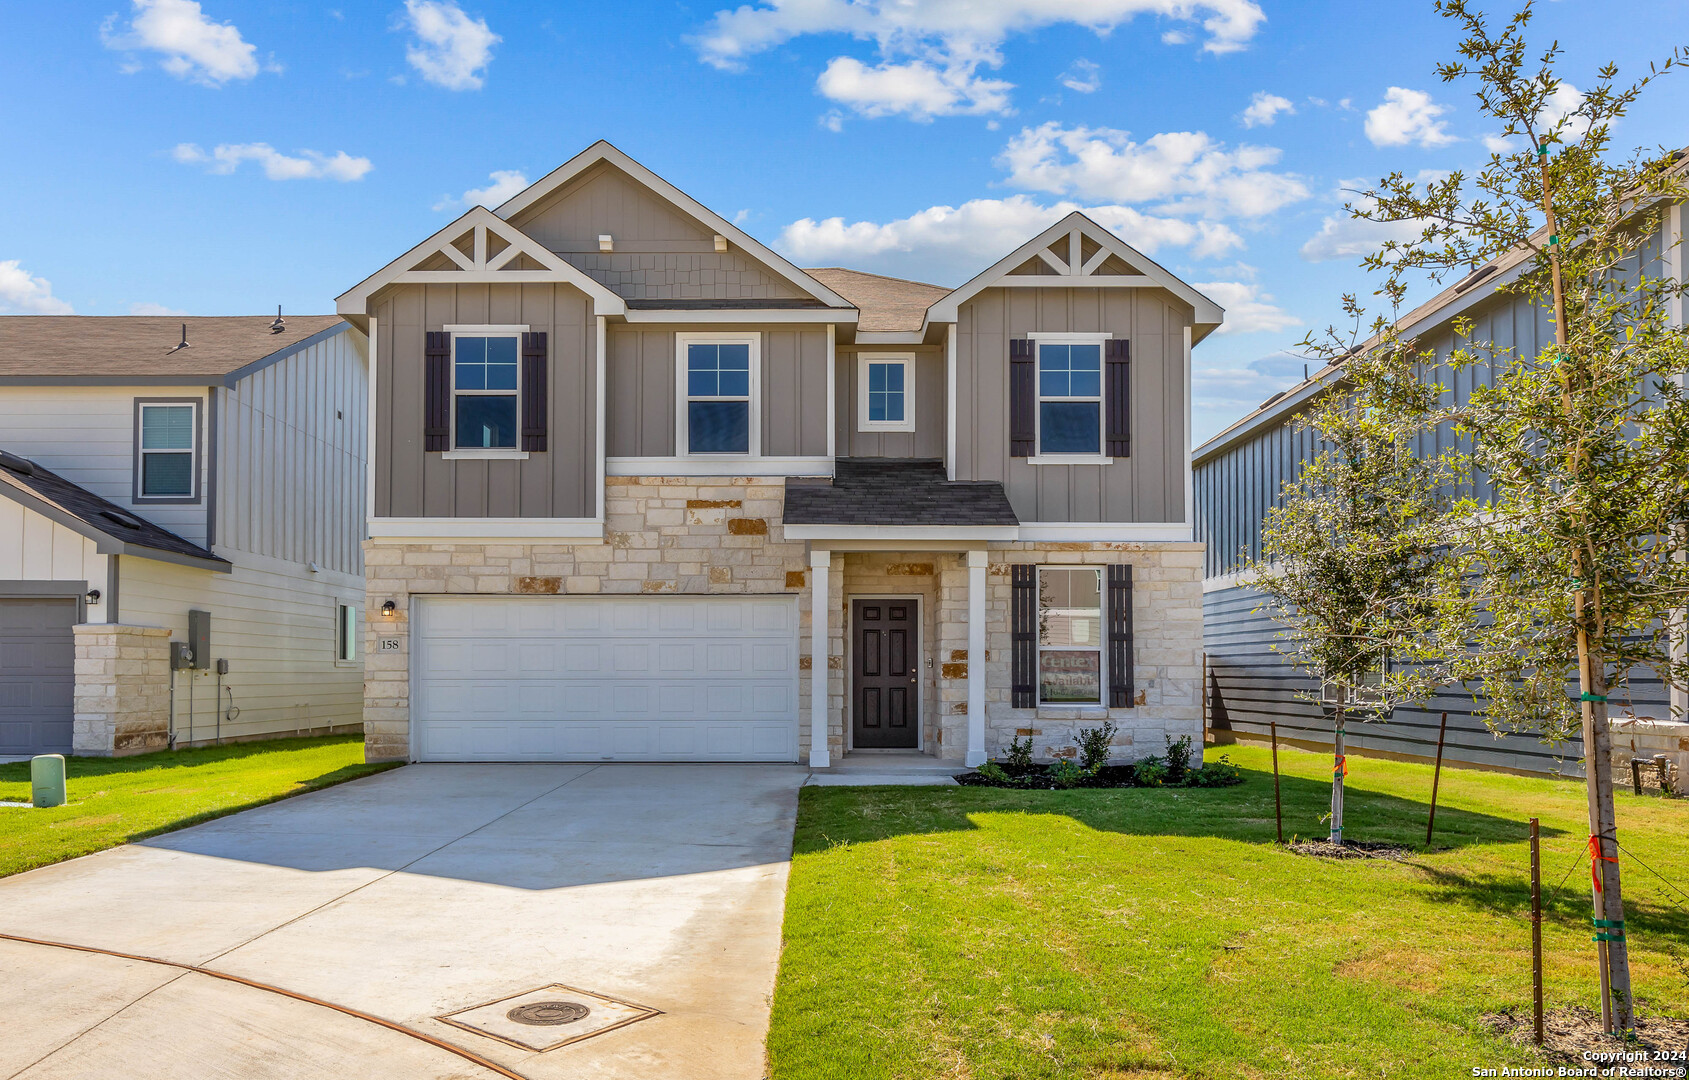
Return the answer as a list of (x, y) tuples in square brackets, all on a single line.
[(225, 156)]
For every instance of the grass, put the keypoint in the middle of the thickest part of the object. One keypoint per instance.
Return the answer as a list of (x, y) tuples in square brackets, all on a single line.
[(986, 933), (116, 800)]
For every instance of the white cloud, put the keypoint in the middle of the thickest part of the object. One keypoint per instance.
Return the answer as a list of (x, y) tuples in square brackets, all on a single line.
[(1175, 37), (1223, 392), (1408, 116), (309, 165), (832, 120), (948, 244), (506, 184), (1344, 236), (1084, 77), (22, 293), (1248, 309), (916, 89), (1184, 171), (452, 50), (1264, 109), (1500, 144), (1557, 110), (145, 307), (193, 47)]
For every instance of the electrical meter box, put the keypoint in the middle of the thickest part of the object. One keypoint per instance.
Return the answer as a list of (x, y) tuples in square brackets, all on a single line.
[(180, 656)]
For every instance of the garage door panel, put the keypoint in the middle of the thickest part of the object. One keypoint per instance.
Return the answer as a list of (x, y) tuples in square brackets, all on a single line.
[(606, 678), (37, 674)]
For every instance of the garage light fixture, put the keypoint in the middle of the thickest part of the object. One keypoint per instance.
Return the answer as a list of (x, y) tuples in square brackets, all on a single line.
[(93, 596), (388, 609)]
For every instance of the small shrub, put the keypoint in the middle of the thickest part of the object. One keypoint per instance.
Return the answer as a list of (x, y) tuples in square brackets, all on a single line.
[(993, 772), (1094, 744), (1066, 774), (1019, 755), (1178, 758), (1221, 773), (1150, 772)]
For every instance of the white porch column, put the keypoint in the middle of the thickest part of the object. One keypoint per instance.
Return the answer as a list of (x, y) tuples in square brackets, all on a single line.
[(976, 659), (820, 616)]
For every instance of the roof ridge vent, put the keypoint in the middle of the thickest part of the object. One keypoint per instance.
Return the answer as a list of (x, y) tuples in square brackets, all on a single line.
[(13, 463)]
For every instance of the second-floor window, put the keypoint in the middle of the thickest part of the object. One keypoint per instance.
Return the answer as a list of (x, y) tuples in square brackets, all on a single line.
[(484, 391), (886, 394), (1070, 398), (166, 449), (718, 386)]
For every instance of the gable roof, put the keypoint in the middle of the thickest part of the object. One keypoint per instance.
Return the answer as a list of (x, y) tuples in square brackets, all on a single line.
[(1076, 226), (114, 530), (603, 151), (482, 263), (886, 303), (141, 349)]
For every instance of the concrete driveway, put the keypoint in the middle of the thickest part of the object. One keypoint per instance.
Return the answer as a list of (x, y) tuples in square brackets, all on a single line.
[(406, 897)]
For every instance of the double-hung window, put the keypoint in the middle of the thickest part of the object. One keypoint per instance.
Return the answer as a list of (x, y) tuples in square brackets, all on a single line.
[(885, 399), (484, 391), (167, 450), (1070, 397), (718, 385), (1070, 635)]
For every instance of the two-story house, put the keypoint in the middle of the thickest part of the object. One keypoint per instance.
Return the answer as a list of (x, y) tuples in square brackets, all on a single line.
[(642, 490), (189, 482)]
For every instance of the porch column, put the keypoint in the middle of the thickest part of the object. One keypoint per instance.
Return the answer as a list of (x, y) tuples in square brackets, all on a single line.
[(976, 659), (820, 616)]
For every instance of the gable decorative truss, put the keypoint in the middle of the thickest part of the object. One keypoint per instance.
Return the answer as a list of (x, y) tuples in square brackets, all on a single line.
[(602, 150), (1060, 251), (478, 248)]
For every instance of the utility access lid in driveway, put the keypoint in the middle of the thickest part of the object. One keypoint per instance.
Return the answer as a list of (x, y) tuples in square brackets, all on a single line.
[(605, 678)]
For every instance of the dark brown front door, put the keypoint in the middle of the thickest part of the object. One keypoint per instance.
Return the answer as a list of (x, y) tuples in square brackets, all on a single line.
[(885, 685)]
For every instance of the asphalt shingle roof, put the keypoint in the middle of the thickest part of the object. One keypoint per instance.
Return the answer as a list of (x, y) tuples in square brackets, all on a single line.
[(145, 345), (20, 476), (896, 491), (884, 303)]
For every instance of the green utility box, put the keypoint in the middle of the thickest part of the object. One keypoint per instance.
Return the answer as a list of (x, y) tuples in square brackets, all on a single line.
[(47, 780)]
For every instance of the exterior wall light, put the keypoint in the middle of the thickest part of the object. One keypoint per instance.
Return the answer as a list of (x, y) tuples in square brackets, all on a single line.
[(388, 609), (93, 596)]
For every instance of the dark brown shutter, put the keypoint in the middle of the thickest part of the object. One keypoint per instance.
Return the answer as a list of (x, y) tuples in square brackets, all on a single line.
[(1023, 635), (533, 392), (1023, 399), (1117, 397), (1122, 690), (437, 392)]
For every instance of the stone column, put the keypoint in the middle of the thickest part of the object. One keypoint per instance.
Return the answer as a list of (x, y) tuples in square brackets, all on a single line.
[(820, 671), (976, 658), (122, 696)]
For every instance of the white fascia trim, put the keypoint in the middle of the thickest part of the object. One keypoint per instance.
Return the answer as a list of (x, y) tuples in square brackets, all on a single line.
[(891, 337), (950, 401), (1102, 532), (736, 465), (1064, 337), (741, 316), (1069, 459), (371, 415), (455, 530), (848, 533), (486, 328), (600, 368), (485, 455)]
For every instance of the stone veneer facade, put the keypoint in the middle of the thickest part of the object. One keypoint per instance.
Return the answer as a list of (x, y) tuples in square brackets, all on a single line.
[(671, 535), (122, 702)]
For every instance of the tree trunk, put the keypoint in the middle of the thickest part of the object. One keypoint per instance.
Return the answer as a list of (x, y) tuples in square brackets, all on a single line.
[(1339, 766), (1603, 826)]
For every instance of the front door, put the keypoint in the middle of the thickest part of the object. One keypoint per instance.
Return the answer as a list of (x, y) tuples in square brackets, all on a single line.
[(886, 680)]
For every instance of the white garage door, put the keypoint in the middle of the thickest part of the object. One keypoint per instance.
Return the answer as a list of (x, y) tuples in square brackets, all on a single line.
[(708, 678)]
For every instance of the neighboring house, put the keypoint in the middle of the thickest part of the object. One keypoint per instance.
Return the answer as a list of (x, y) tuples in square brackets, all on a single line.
[(143, 481), (623, 452), (1239, 476)]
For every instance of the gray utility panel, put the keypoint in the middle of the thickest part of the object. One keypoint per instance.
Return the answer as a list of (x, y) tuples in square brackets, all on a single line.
[(37, 674)]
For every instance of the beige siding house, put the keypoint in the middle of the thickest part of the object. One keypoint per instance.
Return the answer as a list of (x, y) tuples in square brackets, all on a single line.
[(207, 496), (642, 490)]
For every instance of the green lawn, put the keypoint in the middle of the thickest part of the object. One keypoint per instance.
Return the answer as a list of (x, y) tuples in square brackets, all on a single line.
[(115, 800), (983, 933)]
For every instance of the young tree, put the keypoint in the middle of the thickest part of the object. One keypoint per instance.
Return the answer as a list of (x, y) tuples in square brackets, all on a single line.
[(1571, 570)]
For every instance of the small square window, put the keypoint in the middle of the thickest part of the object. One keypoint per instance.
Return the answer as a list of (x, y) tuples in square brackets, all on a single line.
[(886, 394)]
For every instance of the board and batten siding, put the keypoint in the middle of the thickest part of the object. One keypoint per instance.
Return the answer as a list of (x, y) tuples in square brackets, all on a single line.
[(1148, 486), (926, 441), (291, 442), (559, 482), (641, 403), (86, 434), (274, 622), (660, 252)]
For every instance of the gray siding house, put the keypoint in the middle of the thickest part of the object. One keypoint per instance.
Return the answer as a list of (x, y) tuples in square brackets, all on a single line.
[(149, 489), (641, 489), (1239, 475)]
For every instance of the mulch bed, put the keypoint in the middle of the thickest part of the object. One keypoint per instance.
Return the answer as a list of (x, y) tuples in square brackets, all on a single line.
[(1572, 1031), (1351, 849), (1038, 778)]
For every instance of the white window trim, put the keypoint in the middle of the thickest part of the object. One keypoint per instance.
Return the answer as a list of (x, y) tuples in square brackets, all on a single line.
[(1101, 704), (141, 452), (345, 633), (908, 362), (1039, 457), (511, 453), (681, 435)]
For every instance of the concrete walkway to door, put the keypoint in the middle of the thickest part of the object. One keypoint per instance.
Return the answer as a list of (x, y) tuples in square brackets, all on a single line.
[(407, 896)]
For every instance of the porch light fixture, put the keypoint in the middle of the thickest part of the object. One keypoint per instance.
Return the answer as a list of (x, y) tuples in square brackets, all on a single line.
[(93, 596), (388, 609)]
